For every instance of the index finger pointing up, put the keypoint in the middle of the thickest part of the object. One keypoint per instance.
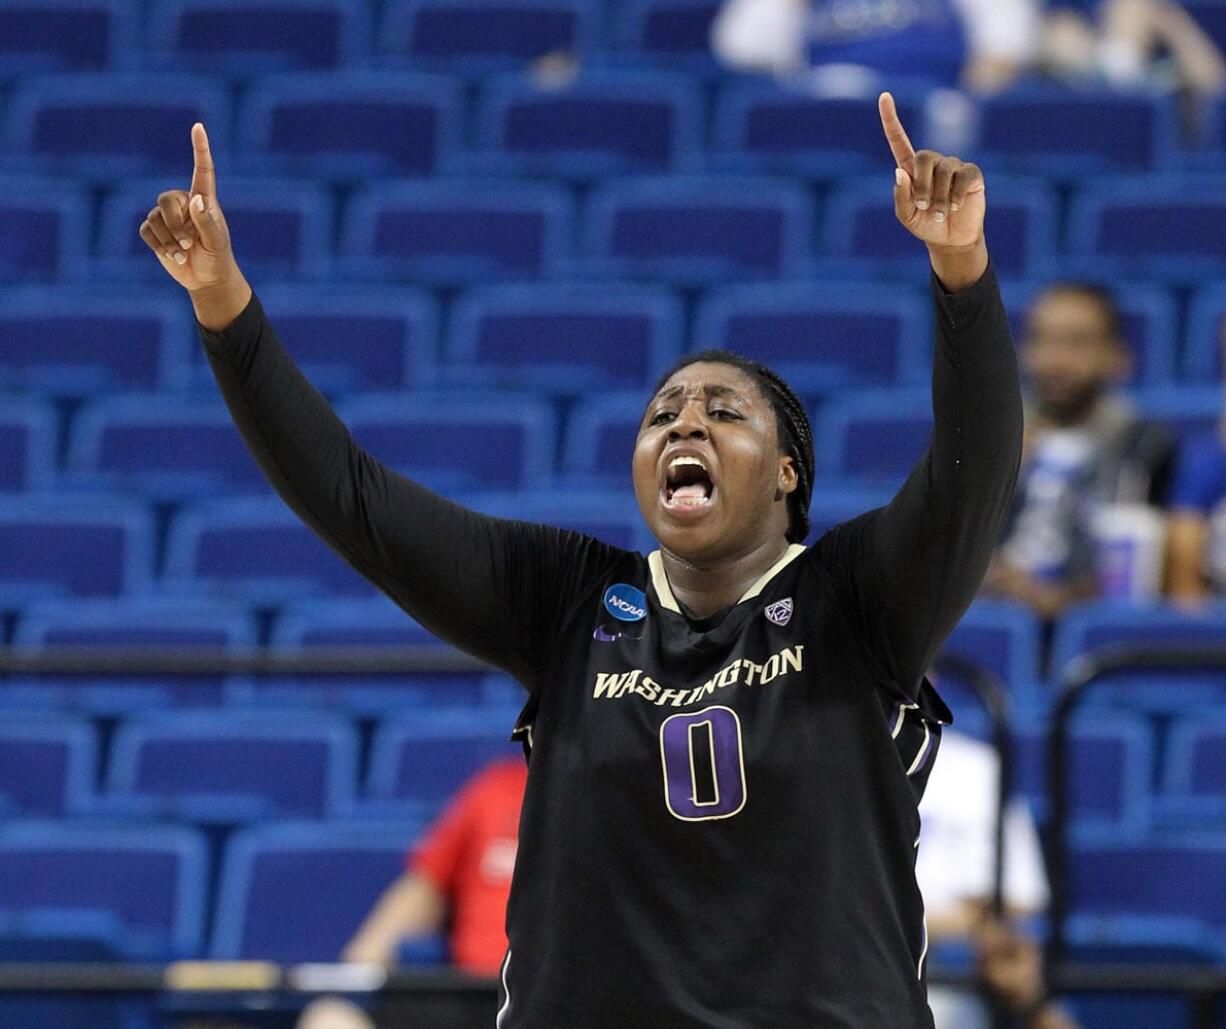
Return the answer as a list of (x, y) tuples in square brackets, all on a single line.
[(203, 180), (895, 134)]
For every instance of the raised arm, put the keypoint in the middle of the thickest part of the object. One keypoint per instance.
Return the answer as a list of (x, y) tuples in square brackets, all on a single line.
[(908, 571), (492, 587)]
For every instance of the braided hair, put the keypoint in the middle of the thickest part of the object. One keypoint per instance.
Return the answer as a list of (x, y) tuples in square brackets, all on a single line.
[(792, 423)]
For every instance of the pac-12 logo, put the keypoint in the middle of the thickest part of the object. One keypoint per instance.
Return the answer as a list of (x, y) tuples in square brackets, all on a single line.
[(780, 612), (625, 603)]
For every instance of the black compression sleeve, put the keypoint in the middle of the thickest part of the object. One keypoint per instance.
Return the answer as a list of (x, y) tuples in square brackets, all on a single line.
[(494, 588), (908, 571)]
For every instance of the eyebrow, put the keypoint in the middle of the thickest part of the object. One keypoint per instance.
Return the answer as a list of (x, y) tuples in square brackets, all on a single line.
[(714, 390)]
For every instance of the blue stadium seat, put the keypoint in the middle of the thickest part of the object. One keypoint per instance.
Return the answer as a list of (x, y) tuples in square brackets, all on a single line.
[(229, 767), (836, 503), (480, 36), (1188, 411), (255, 550), (1174, 875), (66, 35), (301, 627), (47, 765), (1098, 625), (1166, 228), (423, 760), (1003, 638), (1147, 319), (873, 436), (257, 36), (600, 123), (143, 889), (1194, 780), (1142, 939), (102, 127), (140, 621), (764, 126), (73, 546), (448, 232), (161, 447), (269, 871), (470, 442), (823, 340), (77, 342), (696, 231), (1062, 130), (599, 438), (27, 443), (351, 125), (863, 236), (569, 339), (613, 517), (1206, 340), (348, 338), (44, 230), (667, 32), (281, 227)]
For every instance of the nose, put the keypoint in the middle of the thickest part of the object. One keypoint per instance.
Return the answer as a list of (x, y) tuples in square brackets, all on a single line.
[(689, 424)]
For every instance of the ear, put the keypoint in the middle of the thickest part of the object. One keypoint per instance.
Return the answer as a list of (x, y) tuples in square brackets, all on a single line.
[(788, 480)]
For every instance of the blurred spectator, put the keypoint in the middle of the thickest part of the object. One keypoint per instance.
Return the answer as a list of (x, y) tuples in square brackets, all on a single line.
[(1080, 525), (982, 44), (955, 864), (1130, 43), (1196, 534), (459, 878)]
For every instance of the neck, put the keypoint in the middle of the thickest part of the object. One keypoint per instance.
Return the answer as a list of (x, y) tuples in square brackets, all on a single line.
[(706, 587)]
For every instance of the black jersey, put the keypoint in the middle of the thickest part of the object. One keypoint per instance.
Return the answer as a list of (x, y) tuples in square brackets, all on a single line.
[(720, 822)]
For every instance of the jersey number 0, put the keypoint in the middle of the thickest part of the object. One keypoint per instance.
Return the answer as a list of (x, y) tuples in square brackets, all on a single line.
[(704, 764)]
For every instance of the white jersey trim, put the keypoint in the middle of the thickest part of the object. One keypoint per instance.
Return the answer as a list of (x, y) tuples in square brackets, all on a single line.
[(506, 1004), (664, 592)]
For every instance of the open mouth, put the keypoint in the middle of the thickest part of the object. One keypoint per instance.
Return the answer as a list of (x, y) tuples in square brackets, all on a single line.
[(688, 485)]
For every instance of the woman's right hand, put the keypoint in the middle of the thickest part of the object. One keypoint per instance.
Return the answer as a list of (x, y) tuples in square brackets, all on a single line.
[(188, 234)]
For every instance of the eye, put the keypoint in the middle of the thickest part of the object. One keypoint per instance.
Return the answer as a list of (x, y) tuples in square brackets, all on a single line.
[(660, 417), (725, 415)]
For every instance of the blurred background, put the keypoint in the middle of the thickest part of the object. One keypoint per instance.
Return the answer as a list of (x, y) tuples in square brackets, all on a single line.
[(483, 228)]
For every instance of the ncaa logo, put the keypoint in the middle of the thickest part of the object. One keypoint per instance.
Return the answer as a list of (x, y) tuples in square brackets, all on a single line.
[(625, 603), (780, 612)]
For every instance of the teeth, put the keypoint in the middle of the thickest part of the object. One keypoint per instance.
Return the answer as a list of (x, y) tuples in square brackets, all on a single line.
[(679, 461)]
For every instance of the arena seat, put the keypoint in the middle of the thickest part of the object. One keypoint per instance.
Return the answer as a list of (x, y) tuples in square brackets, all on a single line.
[(66, 35), (697, 231), (571, 338), (862, 235), (349, 339), (144, 891), (873, 436), (454, 232), (27, 443), (1055, 130), (1188, 411), (294, 892), (423, 759), (47, 765), (139, 621), (1002, 638), (161, 447), (254, 550), (764, 126), (666, 32), (468, 442), (834, 503), (77, 341), (1148, 317), (1194, 780), (282, 227), (73, 546), (599, 123), (598, 443), (230, 767), (1169, 229), (44, 230), (1205, 343), (482, 36), (610, 516), (350, 125), (823, 340), (248, 37), (108, 127)]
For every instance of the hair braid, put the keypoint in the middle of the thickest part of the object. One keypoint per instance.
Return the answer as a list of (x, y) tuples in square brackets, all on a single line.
[(791, 420)]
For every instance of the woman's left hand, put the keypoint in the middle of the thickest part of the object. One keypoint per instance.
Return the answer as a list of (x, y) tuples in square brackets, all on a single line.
[(940, 200)]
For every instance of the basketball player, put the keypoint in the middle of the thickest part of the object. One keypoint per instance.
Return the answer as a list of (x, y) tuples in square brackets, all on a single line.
[(727, 738)]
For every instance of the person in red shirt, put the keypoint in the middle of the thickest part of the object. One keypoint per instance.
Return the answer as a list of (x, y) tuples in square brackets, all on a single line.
[(458, 876)]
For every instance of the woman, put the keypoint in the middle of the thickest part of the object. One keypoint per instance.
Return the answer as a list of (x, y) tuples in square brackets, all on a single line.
[(727, 739)]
